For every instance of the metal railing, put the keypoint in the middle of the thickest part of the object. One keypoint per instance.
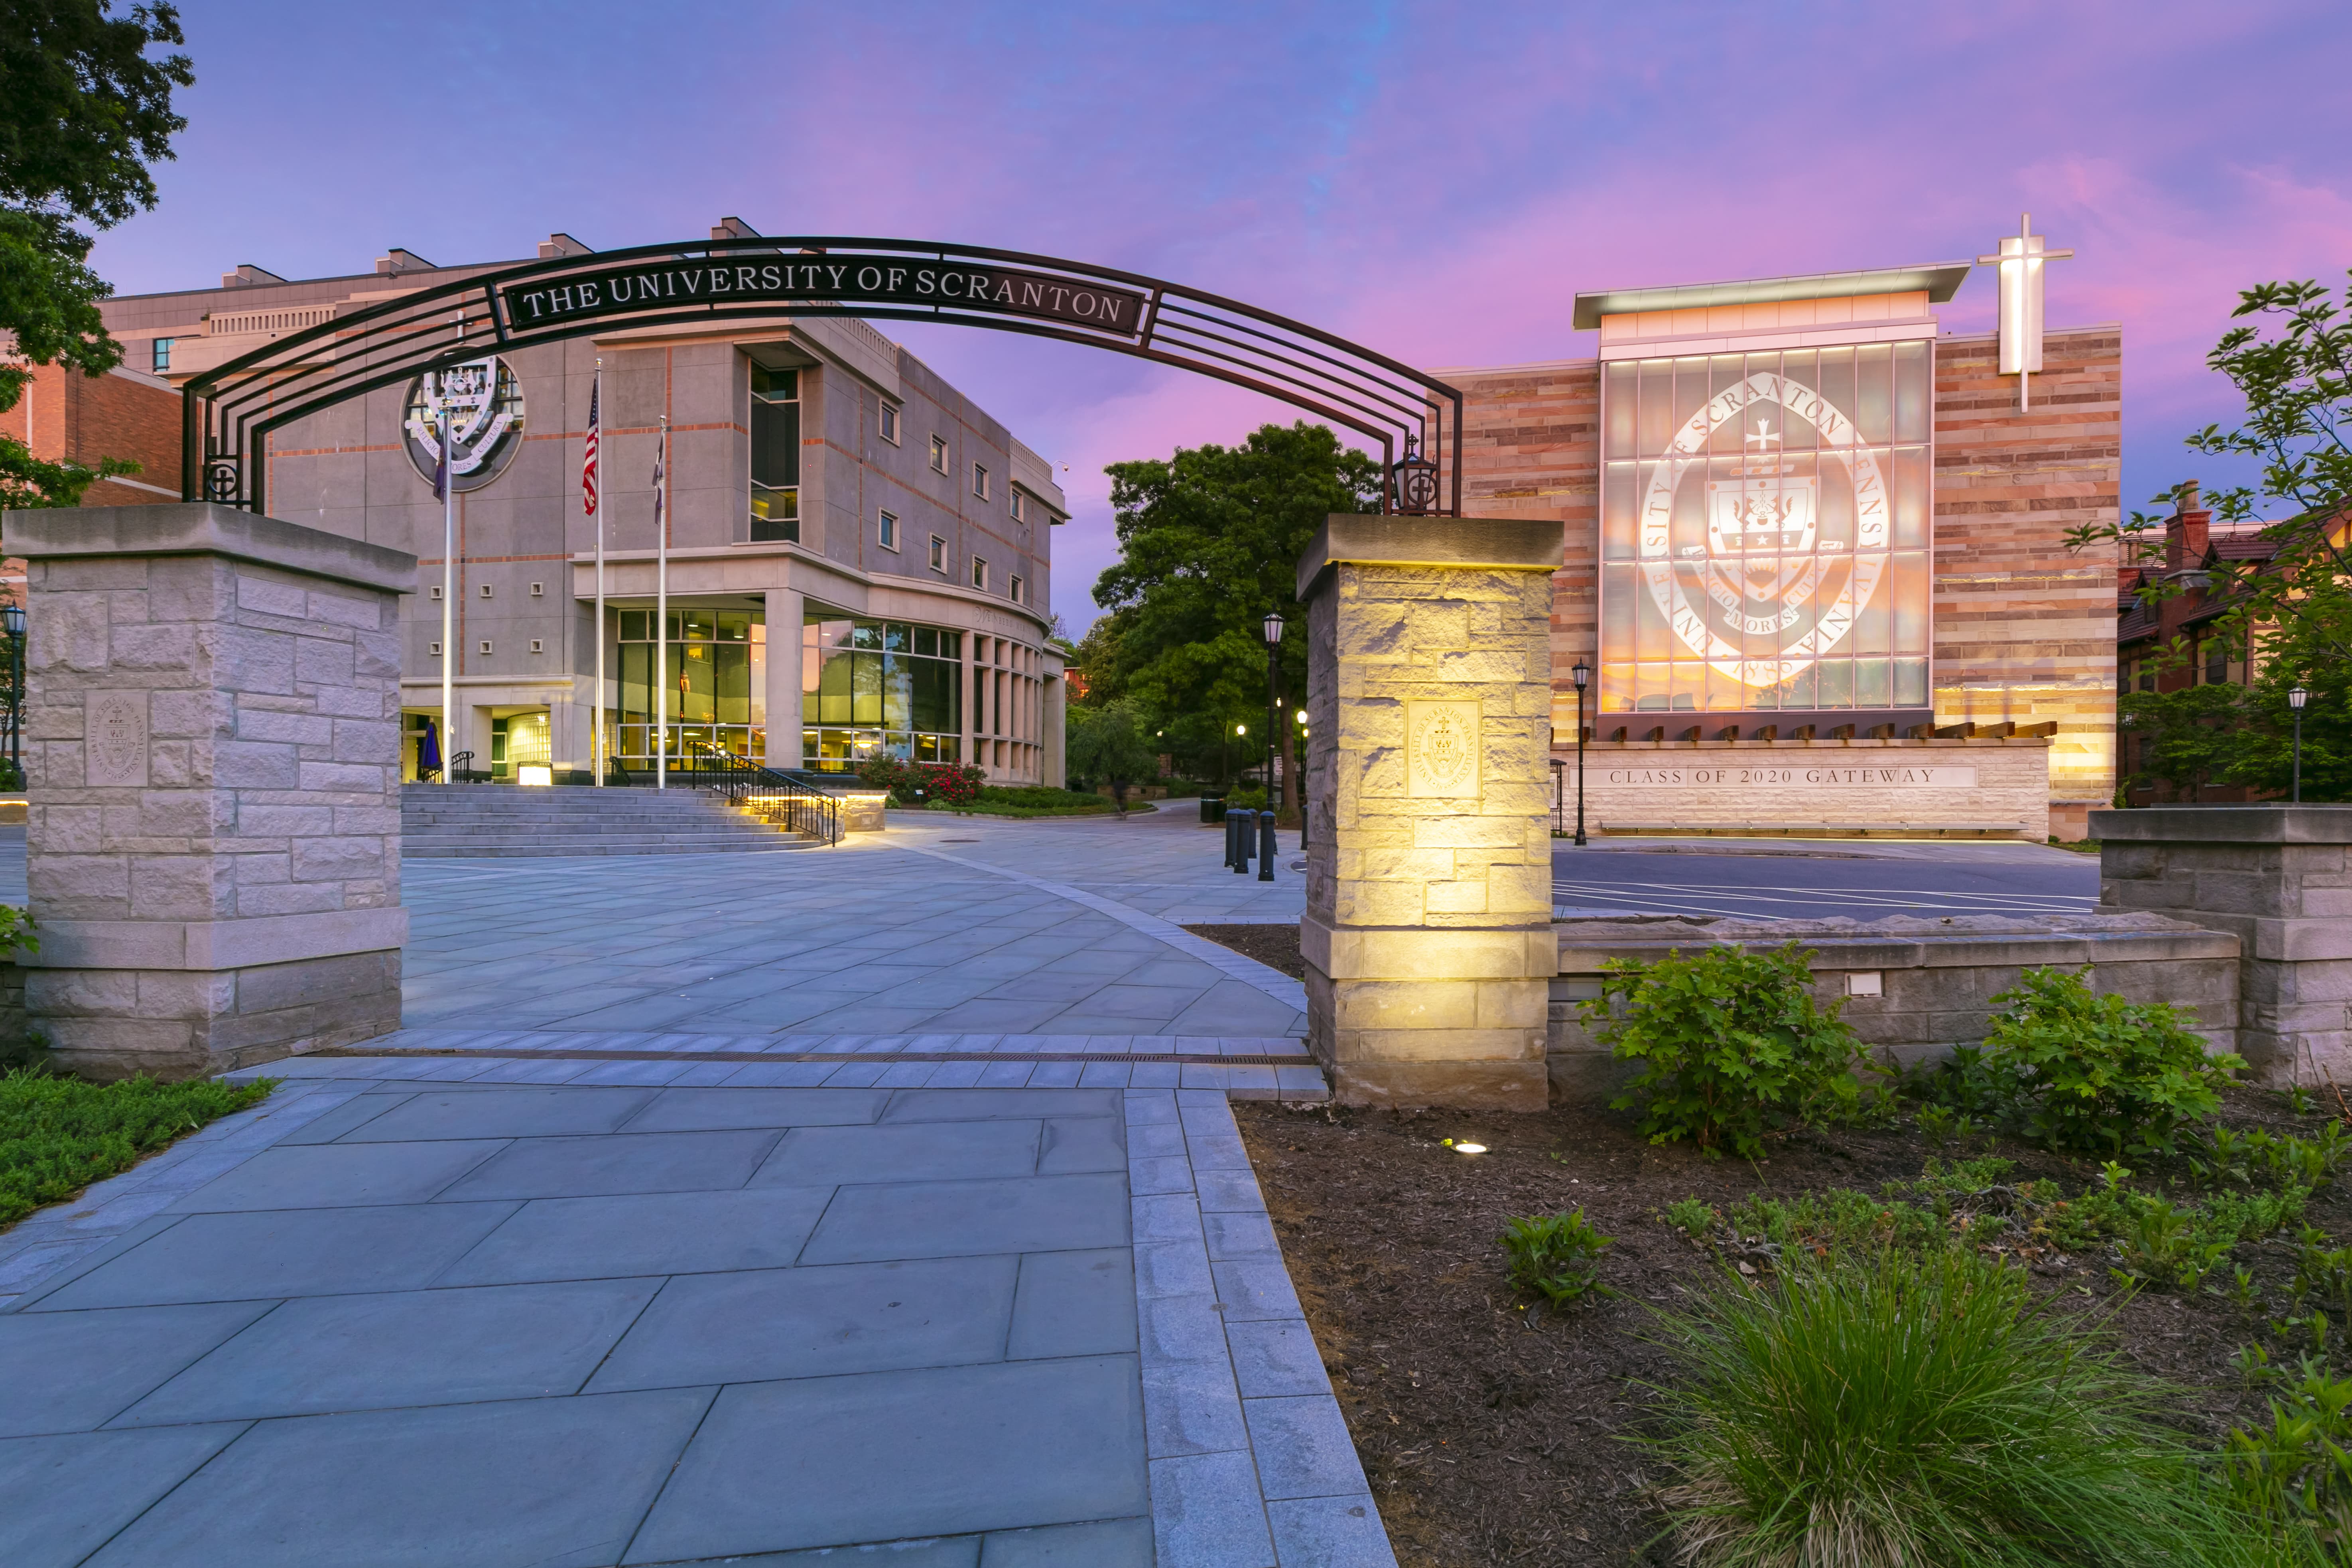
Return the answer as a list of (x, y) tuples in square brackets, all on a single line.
[(790, 804)]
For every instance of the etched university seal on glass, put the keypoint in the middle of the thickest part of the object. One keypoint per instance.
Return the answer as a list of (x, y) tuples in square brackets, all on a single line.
[(484, 404)]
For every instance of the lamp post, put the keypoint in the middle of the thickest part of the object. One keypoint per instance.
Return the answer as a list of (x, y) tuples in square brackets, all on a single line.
[(12, 618), (2295, 698), (1581, 674), (1272, 710)]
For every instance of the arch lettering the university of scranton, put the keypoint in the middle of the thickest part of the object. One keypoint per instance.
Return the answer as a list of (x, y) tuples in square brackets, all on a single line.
[(231, 411)]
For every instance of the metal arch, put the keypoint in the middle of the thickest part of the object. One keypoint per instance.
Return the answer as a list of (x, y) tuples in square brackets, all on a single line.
[(228, 413)]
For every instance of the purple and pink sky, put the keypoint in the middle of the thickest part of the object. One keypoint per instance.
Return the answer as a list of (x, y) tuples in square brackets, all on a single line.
[(1434, 181)]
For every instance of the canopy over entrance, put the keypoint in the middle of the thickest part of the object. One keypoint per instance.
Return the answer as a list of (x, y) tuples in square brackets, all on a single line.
[(229, 411)]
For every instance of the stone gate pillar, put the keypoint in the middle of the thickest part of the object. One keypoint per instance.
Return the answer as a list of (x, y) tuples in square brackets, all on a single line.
[(2280, 878), (1428, 935), (213, 765)]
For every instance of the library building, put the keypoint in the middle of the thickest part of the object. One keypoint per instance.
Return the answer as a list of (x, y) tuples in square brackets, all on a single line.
[(857, 560)]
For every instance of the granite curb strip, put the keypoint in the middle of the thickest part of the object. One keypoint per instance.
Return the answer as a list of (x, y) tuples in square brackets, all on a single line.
[(1233, 966), (1250, 1460)]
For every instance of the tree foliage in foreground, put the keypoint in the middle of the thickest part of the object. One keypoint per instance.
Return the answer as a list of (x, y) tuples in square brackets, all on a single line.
[(1209, 541), (2292, 365), (83, 111)]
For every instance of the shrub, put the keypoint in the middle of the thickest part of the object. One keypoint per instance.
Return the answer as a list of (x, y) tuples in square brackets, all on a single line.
[(1556, 1255), (2086, 1072), (1894, 1409), (1250, 797), (1731, 1043), (919, 784), (2298, 1470)]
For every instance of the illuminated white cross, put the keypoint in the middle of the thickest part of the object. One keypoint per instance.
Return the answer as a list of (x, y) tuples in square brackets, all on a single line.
[(1764, 440), (2019, 260)]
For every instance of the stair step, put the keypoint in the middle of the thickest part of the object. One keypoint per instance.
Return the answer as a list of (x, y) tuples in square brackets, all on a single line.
[(457, 821)]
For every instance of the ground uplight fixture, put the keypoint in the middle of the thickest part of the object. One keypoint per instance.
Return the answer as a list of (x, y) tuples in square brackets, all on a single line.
[(1463, 1148)]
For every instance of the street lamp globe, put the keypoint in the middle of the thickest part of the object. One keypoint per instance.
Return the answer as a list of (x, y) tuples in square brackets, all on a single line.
[(12, 619), (1580, 672), (2295, 698), (1241, 728), (1273, 628)]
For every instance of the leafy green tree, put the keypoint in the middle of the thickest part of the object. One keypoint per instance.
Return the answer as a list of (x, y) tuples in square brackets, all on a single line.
[(2292, 365), (1109, 743), (2178, 744), (1209, 541), (83, 111)]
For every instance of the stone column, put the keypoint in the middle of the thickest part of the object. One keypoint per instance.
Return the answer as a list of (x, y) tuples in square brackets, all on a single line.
[(783, 694), (1428, 935), (2279, 877), (213, 752)]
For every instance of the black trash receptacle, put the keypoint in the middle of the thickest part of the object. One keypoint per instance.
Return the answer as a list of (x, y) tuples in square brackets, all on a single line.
[(1213, 808)]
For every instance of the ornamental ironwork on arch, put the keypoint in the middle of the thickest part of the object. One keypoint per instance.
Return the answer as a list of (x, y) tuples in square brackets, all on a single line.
[(230, 411)]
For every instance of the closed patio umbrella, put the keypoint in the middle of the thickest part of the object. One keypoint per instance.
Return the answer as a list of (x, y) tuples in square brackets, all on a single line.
[(428, 751)]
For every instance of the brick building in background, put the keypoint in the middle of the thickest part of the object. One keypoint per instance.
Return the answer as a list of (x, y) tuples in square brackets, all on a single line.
[(1967, 620), (64, 417)]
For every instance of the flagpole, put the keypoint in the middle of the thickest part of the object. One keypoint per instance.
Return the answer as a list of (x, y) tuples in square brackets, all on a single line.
[(448, 589), (661, 610), (596, 516)]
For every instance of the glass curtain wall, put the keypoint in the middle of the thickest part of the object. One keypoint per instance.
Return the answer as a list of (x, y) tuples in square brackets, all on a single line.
[(717, 684), (776, 454), (1765, 531), (879, 688)]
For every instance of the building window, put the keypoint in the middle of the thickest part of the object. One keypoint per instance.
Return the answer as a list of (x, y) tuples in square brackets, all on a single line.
[(435, 647), (888, 531), (939, 453), (939, 554), (889, 423), (2217, 662), (874, 688), (486, 645), (1020, 505), (776, 454), (1012, 589), (163, 354), (980, 482), (713, 680), (2147, 675), (979, 574)]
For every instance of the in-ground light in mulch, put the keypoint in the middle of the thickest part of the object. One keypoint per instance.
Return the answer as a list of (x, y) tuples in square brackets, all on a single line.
[(1492, 1435)]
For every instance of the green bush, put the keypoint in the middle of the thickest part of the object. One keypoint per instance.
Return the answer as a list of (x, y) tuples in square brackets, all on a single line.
[(2298, 1471), (1918, 1410), (2097, 1074), (59, 1134), (1731, 1044), (1251, 797), (1556, 1255)]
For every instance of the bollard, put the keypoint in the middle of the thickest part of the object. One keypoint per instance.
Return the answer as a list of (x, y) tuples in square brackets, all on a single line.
[(1243, 822), (1230, 821), (1266, 848)]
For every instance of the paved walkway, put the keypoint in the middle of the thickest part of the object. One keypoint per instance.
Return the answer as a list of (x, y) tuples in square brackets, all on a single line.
[(624, 1282)]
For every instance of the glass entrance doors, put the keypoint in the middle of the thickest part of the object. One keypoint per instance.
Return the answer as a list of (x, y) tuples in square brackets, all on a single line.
[(716, 677)]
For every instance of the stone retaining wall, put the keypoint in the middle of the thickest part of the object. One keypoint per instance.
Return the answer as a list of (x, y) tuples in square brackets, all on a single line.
[(1936, 978)]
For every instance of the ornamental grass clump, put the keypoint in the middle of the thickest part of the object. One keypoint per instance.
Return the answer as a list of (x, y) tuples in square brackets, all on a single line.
[(1922, 1410), (1731, 1045)]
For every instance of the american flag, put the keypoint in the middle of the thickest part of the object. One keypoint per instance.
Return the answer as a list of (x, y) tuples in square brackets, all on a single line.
[(588, 459)]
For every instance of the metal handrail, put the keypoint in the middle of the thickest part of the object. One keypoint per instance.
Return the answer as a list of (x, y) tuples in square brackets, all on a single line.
[(802, 807)]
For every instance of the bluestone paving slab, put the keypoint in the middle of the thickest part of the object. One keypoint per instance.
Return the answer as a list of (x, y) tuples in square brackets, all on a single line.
[(71, 1371), (957, 1105), (696, 1110), (1083, 1143), (1104, 1543), (1074, 1303), (62, 1497), (954, 1552), (505, 1114), (762, 1324), (961, 1219), (1303, 1447), (1330, 1533), (653, 1233), (345, 1117), (341, 1175), (325, 1353), (825, 1461), (616, 1162), (828, 1156), (285, 1252), (554, 1483), (1276, 1357)]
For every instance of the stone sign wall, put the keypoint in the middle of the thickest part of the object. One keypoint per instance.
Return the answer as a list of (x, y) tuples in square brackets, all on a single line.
[(1994, 787)]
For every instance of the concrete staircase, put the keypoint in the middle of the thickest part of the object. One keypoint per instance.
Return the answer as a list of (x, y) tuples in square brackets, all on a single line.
[(444, 821)]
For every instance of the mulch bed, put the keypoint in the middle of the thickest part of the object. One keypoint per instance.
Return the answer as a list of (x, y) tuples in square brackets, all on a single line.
[(1275, 946), (1492, 1433)]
